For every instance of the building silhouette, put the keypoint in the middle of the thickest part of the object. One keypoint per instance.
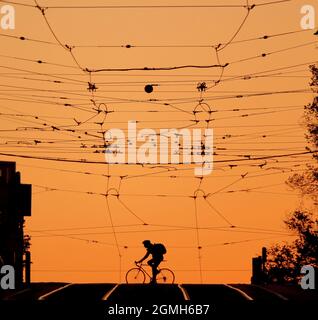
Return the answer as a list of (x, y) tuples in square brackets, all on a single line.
[(15, 204)]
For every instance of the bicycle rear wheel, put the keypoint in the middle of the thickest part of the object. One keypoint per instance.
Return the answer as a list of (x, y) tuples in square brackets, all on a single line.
[(165, 276), (135, 275)]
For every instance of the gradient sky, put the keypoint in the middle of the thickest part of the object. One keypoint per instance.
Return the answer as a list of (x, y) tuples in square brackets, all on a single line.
[(79, 235)]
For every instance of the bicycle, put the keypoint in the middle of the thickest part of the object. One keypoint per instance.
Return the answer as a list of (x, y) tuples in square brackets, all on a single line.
[(138, 275)]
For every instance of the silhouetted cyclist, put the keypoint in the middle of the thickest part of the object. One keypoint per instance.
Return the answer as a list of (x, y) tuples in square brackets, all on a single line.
[(157, 250)]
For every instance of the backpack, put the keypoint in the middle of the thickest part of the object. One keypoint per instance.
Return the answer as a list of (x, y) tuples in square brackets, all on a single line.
[(160, 248)]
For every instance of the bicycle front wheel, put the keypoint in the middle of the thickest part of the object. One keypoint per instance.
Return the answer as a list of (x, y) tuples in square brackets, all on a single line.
[(135, 275), (165, 276)]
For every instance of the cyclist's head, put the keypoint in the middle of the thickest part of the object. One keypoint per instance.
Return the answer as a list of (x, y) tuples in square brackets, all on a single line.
[(146, 243)]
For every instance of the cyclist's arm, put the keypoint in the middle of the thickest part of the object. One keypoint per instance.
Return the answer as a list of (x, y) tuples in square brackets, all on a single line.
[(144, 258)]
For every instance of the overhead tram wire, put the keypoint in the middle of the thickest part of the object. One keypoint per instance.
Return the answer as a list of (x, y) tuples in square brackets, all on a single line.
[(195, 6), (132, 46), (128, 46), (152, 225), (65, 47), (84, 161), (147, 230)]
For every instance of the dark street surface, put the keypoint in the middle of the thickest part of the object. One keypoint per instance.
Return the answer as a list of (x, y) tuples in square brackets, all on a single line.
[(140, 293), (215, 293), (91, 301)]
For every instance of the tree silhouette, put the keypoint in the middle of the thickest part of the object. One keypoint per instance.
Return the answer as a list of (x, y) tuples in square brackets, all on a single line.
[(307, 182), (285, 260)]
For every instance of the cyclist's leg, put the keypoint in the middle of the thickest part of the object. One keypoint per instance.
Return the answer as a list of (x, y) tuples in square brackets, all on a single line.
[(154, 266), (151, 263)]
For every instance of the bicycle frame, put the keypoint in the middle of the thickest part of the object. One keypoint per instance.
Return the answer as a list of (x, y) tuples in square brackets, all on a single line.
[(140, 266)]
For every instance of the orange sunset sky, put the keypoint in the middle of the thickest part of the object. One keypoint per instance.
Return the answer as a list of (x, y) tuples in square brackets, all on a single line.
[(46, 112)]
